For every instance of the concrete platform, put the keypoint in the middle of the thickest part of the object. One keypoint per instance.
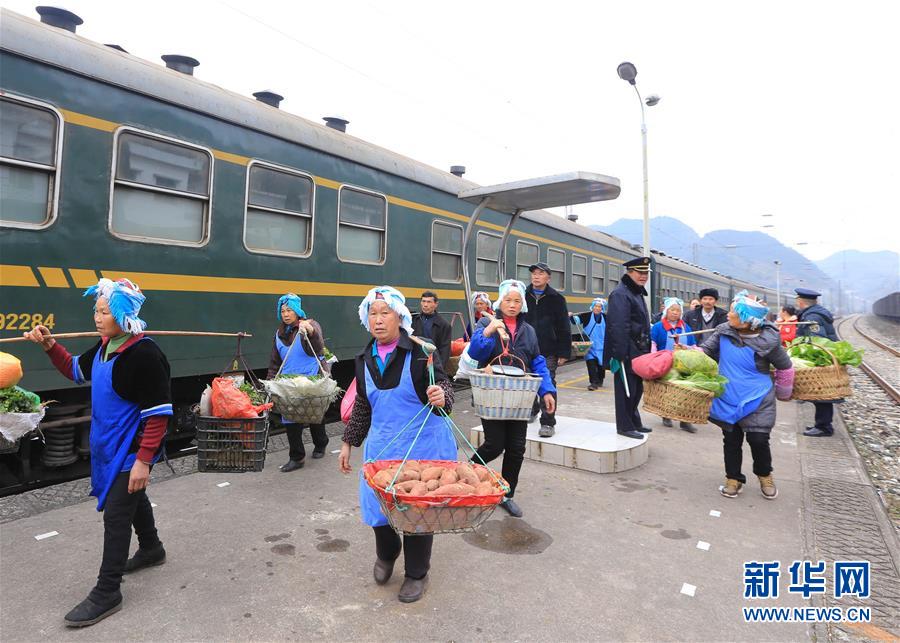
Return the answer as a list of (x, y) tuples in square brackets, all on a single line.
[(590, 445)]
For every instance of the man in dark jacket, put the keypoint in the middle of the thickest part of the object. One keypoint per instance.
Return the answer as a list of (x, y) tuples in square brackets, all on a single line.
[(627, 337), (810, 311), (708, 315), (428, 323), (549, 316)]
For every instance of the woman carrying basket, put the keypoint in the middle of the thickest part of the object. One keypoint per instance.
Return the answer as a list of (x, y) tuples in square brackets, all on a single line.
[(593, 323), (746, 347), (303, 359), (130, 407), (392, 385), (662, 339), (505, 335)]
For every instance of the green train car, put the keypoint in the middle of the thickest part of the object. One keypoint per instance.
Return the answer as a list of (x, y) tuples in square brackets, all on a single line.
[(215, 204)]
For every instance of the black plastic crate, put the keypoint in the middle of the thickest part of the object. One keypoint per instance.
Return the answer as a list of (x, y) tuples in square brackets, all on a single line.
[(231, 445)]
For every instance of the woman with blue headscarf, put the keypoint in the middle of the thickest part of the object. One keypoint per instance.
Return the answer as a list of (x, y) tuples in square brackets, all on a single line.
[(131, 403), (593, 324), (392, 386), (306, 358), (747, 347)]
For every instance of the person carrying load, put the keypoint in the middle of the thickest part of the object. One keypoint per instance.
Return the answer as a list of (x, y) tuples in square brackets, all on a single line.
[(509, 334), (593, 325), (662, 338), (746, 348), (130, 407), (307, 358), (392, 385)]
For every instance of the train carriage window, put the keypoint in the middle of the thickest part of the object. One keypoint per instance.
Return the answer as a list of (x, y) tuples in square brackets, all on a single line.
[(527, 254), (446, 252), (556, 259), (598, 276), (279, 216), (579, 273), (161, 190), (487, 259), (362, 222), (30, 135)]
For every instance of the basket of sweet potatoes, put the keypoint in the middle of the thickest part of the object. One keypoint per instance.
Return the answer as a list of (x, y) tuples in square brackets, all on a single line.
[(435, 496)]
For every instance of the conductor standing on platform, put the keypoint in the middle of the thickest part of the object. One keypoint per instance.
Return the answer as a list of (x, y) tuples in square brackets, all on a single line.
[(810, 311), (627, 337)]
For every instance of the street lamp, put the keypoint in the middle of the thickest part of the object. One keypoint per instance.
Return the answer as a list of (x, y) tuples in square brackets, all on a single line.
[(778, 285), (628, 73)]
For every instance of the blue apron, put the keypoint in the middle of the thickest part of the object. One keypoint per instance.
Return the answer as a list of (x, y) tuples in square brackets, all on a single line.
[(596, 333), (746, 387), (295, 362), (114, 424), (391, 410)]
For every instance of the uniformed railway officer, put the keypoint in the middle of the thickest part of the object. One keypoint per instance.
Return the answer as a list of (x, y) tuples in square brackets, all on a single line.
[(810, 311), (627, 337)]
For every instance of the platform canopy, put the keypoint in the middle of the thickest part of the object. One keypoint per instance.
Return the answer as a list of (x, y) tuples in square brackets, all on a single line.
[(555, 191)]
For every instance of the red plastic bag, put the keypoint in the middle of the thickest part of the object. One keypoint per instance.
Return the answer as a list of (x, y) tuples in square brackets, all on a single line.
[(457, 346), (348, 401), (652, 366), (228, 401)]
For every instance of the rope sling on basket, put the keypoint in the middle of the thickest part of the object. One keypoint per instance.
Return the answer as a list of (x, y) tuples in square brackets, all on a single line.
[(233, 445), (428, 513), (677, 402), (581, 347), (822, 382), (302, 399), (504, 397)]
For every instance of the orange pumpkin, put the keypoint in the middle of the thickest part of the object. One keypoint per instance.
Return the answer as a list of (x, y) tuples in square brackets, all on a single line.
[(10, 370)]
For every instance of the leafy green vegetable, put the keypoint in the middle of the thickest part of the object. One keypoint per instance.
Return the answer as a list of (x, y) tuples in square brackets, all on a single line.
[(671, 375), (18, 400), (311, 378), (688, 362), (818, 350), (799, 362), (714, 383), (256, 397)]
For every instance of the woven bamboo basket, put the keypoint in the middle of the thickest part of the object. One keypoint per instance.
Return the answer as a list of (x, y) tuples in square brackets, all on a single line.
[(580, 349), (504, 397), (821, 382), (677, 402), (302, 410)]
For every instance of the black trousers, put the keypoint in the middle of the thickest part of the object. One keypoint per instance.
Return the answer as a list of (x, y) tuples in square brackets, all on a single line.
[(123, 511), (506, 437), (596, 372), (416, 550), (732, 443), (627, 416), (824, 416), (295, 439), (547, 418)]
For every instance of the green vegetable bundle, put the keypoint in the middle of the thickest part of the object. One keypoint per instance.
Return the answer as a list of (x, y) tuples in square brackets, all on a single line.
[(690, 362), (714, 383), (257, 397), (18, 400), (818, 351)]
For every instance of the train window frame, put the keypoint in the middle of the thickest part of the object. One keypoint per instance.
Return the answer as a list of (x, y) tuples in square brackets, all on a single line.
[(436, 222), (563, 271), (586, 274), (311, 216), (602, 277), (55, 171), (337, 240), (479, 235), (519, 242), (208, 198)]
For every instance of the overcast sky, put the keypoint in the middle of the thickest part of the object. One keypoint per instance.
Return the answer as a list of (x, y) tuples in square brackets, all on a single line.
[(786, 108)]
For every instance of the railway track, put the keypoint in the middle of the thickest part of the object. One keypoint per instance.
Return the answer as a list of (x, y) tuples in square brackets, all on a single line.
[(880, 364)]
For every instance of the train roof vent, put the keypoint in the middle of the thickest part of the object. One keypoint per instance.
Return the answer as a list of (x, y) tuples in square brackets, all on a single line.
[(183, 64), (59, 17), (268, 97), (572, 217), (334, 122), (117, 47), (457, 170)]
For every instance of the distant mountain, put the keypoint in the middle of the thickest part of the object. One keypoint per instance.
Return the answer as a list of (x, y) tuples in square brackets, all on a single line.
[(868, 275)]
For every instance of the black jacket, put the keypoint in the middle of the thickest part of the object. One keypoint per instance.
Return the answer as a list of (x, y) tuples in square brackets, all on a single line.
[(694, 318), (440, 333), (627, 323), (549, 316), (822, 316)]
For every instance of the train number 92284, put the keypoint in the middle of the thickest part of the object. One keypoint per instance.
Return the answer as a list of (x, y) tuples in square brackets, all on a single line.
[(26, 321)]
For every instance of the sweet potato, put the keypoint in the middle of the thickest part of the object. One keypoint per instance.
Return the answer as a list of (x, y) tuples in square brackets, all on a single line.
[(455, 489), (407, 474), (412, 465), (432, 473), (433, 484), (417, 488), (382, 478), (485, 489), (482, 473), (467, 474), (449, 477), (405, 487)]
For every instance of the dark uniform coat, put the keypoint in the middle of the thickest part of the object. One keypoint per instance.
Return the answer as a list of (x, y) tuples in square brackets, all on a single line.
[(824, 415)]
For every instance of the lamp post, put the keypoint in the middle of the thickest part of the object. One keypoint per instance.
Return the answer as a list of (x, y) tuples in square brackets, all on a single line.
[(628, 73), (778, 285)]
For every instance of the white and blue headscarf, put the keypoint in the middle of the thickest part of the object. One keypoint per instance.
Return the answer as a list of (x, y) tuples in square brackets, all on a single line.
[(601, 302), (481, 296), (393, 298), (506, 287), (750, 310), (668, 302), (125, 301), (292, 301)]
